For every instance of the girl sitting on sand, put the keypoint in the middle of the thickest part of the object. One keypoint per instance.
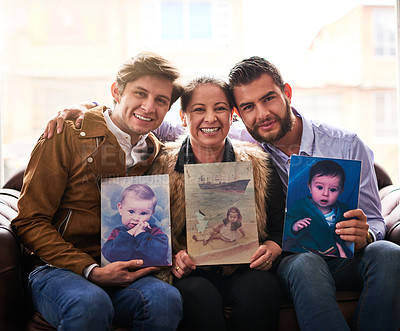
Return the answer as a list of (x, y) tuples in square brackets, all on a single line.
[(228, 230)]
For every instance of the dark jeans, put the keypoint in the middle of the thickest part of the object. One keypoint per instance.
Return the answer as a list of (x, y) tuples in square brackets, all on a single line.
[(255, 298), (313, 280)]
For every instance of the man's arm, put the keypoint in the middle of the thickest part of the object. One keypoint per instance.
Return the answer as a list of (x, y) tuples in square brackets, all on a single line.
[(367, 220), (369, 201), (167, 131), (119, 273), (74, 113), (45, 183)]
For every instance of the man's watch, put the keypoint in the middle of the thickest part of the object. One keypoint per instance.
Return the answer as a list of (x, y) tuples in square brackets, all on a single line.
[(370, 238)]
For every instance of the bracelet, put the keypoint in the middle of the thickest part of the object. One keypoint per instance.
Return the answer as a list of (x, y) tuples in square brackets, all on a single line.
[(95, 103), (370, 238)]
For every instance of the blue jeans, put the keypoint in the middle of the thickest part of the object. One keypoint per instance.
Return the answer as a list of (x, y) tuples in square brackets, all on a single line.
[(312, 281), (70, 302)]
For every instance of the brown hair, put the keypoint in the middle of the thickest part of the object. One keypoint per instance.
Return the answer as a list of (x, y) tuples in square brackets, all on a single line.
[(191, 86), (141, 192), (148, 63), (248, 70)]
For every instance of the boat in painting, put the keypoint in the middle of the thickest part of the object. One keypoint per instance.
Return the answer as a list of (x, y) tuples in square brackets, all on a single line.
[(237, 186)]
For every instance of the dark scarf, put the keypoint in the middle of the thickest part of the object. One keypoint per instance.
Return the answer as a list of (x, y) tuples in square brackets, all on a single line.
[(186, 156)]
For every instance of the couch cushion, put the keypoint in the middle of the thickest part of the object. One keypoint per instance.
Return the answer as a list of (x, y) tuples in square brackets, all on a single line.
[(390, 199)]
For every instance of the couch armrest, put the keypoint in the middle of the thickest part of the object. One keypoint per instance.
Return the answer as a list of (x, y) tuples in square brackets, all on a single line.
[(390, 198), (12, 303), (15, 182)]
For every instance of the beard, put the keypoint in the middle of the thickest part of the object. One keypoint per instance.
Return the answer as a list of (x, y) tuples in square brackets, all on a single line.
[(285, 123)]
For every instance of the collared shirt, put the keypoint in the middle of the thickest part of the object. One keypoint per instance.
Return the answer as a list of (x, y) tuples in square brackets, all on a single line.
[(133, 153), (323, 140)]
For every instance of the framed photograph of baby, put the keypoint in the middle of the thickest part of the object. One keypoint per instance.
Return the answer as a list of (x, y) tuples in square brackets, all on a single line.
[(135, 220), (320, 191), (220, 213)]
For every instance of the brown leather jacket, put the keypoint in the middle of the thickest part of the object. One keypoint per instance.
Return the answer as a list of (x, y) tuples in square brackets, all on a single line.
[(59, 205)]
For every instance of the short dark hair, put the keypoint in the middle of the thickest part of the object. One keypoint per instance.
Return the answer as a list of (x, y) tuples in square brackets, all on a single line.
[(191, 86), (149, 63), (327, 168), (250, 69), (141, 191), (236, 225)]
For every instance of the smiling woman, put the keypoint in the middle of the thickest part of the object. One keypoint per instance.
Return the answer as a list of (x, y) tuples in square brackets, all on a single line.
[(208, 115), (252, 289)]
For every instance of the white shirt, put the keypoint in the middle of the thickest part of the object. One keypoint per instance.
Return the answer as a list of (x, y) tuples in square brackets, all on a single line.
[(133, 153)]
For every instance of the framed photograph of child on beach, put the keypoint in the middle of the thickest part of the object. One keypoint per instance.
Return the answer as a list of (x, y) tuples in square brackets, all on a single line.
[(135, 220), (220, 213), (320, 191)]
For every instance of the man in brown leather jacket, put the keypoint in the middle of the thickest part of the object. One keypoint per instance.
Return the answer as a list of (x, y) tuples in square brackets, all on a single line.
[(59, 208)]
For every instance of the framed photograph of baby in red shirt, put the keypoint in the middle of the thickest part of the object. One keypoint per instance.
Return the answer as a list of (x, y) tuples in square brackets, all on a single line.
[(135, 220)]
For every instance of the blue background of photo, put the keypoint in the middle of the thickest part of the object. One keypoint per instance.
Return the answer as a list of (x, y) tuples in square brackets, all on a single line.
[(299, 175)]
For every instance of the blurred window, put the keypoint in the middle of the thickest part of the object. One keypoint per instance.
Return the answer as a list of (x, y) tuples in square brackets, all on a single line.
[(384, 32), (385, 115), (321, 107), (200, 20), (186, 20), (339, 58), (187, 25), (172, 26)]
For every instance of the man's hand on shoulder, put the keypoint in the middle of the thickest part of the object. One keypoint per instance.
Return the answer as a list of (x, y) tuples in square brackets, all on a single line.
[(75, 113), (355, 229), (119, 273)]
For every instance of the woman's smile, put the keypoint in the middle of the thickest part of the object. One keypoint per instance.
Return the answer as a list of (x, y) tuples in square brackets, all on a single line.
[(209, 130), (208, 117)]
